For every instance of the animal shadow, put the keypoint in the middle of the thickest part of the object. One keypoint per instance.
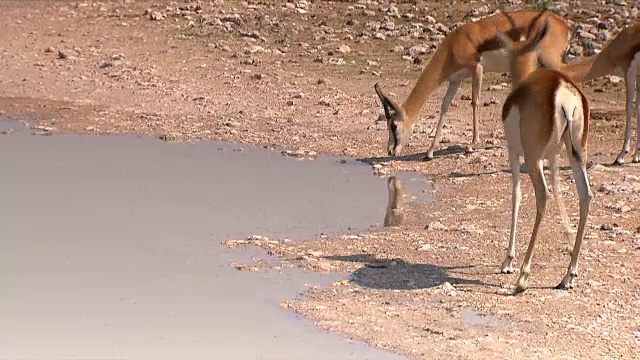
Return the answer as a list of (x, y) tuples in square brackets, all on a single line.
[(398, 274), (422, 156)]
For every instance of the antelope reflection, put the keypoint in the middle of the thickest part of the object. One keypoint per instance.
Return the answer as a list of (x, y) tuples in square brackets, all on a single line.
[(395, 214)]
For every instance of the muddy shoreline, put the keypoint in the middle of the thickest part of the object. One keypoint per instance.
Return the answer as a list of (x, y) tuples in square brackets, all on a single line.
[(129, 74)]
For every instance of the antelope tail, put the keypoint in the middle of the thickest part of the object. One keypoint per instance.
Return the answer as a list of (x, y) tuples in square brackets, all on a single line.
[(568, 129)]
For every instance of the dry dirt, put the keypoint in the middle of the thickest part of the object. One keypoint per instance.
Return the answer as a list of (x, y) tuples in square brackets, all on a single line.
[(272, 73)]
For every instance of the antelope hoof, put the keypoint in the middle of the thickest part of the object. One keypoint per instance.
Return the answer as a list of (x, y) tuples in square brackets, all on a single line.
[(619, 160), (507, 267), (521, 285), (636, 157), (520, 288), (566, 283), (567, 249), (428, 156), (469, 149), (564, 286)]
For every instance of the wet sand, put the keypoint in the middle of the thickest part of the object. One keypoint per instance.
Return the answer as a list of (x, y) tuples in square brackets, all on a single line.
[(111, 247)]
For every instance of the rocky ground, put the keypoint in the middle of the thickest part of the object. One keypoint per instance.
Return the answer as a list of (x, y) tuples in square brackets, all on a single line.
[(300, 75)]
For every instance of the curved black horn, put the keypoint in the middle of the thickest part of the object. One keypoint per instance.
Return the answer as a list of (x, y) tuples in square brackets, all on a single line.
[(386, 102)]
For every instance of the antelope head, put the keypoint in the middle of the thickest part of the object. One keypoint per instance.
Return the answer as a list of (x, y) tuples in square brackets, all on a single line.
[(399, 126)]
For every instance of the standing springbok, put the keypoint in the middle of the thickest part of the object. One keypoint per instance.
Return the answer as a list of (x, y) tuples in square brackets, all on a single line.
[(623, 52), (469, 51), (544, 112)]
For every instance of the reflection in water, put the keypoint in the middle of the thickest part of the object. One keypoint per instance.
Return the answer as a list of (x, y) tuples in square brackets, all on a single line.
[(395, 207)]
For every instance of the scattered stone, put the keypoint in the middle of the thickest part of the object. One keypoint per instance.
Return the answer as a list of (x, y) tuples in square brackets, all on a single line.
[(42, 133), (492, 101), (436, 225), (155, 16), (300, 153), (344, 49), (416, 50), (168, 137), (234, 19), (425, 247), (248, 61), (65, 54), (614, 79), (43, 128), (606, 227)]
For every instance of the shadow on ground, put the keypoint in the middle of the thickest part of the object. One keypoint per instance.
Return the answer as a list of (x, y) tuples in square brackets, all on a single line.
[(422, 156), (398, 274)]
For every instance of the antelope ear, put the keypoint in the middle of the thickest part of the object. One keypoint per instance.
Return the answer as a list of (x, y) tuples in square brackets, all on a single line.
[(389, 105)]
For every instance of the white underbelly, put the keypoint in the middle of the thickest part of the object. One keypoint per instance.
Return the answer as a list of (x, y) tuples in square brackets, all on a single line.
[(492, 62)]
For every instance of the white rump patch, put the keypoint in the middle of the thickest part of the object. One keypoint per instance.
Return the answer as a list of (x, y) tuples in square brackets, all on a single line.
[(568, 105)]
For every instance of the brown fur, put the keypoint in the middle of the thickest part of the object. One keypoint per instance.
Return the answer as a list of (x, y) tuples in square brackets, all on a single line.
[(472, 37), (535, 94), (617, 53), (460, 53), (538, 92)]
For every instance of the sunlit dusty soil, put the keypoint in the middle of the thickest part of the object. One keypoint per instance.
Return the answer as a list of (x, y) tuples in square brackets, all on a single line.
[(267, 73)]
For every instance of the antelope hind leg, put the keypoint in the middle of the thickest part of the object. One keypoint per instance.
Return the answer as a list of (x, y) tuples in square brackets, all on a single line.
[(564, 218), (537, 178), (585, 195)]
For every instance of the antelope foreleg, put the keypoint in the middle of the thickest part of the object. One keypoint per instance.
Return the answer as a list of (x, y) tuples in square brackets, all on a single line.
[(454, 85)]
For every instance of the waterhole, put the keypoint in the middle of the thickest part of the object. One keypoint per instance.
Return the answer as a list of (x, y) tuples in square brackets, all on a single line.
[(111, 246)]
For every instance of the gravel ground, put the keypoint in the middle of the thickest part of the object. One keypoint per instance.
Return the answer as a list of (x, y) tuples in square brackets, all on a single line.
[(300, 75)]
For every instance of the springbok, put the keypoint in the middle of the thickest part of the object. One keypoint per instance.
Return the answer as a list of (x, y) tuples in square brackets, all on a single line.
[(623, 52), (544, 112), (469, 51)]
